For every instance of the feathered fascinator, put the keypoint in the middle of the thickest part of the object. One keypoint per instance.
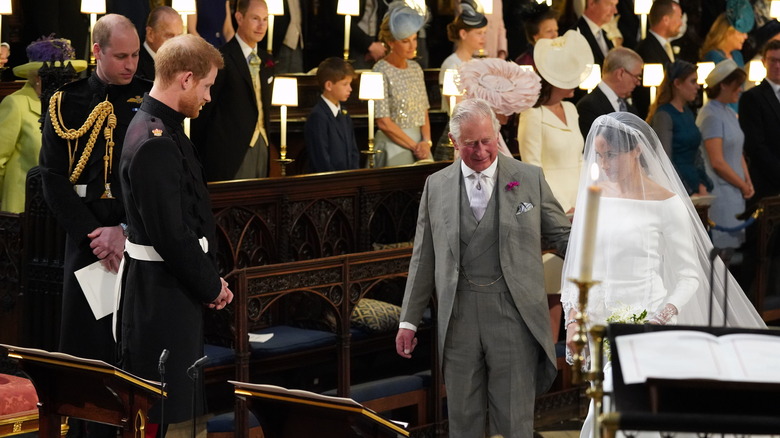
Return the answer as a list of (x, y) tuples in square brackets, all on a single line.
[(48, 49), (406, 18), (471, 17), (508, 87), (739, 14)]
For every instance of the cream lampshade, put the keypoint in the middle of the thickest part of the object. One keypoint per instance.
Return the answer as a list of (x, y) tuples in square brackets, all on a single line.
[(486, 6), (275, 7), (372, 87), (593, 79), (93, 8), (703, 70), (347, 8), (756, 71), (450, 88), (184, 8), (5, 9), (642, 8), (285, 93), (652, 76), (774, 9)]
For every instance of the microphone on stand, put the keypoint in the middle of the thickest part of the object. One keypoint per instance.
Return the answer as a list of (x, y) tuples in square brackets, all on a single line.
[(713, 256), (161, 369), (192, 372)]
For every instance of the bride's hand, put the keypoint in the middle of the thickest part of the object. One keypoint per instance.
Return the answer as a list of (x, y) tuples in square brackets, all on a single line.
[(663, 316), (571, 330)]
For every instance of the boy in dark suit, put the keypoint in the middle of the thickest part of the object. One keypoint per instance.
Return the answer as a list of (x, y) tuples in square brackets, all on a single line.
[(329, 134)]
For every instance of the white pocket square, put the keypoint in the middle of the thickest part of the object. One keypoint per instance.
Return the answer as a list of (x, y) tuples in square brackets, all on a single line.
[(524, 207)]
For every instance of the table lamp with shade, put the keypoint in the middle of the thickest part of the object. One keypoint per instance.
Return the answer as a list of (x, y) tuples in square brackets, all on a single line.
[(652, 76), (275, 7), (756, 71), (774, 9), (285, 93), (93, 8), (6, 8), (703, 70), (593, 79), (184, 8), (349, 9), (372, 87), (642, 8), (450, 88)]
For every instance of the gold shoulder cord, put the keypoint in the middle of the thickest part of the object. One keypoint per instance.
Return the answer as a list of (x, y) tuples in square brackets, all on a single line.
[(104, 110)]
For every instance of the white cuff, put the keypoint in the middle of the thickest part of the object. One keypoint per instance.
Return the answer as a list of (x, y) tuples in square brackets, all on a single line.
[(407, 325)]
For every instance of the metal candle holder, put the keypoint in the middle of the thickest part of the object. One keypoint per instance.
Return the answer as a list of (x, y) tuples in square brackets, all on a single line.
[(596, 374)]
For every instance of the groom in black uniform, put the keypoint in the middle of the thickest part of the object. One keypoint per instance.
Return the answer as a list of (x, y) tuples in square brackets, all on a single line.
[(170, 265)]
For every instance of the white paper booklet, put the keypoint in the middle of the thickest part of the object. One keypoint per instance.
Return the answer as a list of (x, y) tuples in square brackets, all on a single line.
[(688, 354), (98, 283)]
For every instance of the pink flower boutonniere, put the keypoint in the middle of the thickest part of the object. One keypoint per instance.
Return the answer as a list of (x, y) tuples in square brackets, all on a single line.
[(269, 63), (511, 185)]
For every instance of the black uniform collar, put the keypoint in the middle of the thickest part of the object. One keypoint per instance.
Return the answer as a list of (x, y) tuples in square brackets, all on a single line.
[(102, 89), (169, 116)]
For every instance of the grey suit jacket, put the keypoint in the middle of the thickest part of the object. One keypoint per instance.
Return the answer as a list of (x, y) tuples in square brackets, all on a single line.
[(436, 257)]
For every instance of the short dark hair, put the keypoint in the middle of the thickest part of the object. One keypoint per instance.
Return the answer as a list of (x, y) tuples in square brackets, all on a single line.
[(659, 10), (243, 5), (771, 45), (737, 75), (333, 69)]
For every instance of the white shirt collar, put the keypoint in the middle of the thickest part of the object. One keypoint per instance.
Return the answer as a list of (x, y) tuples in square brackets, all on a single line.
[(660, 39), (245, 49), (333, 108), (611, 95), (149, 49), (594, 28), (490, 172), (775, 87)]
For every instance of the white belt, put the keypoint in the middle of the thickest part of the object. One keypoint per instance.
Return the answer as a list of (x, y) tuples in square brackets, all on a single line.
[(145, 253)]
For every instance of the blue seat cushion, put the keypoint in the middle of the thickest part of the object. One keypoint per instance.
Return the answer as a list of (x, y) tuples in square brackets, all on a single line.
[(219, 355), (289, 339), (426, 377), (377, 389), (226, 422)]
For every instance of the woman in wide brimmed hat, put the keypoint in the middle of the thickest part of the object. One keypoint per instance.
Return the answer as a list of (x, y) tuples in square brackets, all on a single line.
[(723, 142), (404, 135), (20, 113), (548, 134)]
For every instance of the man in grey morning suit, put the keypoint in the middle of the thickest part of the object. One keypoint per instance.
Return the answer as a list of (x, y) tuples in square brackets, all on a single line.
[(482, 255)]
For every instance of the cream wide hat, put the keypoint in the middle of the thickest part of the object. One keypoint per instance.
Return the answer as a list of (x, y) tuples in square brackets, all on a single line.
[(565, 61)]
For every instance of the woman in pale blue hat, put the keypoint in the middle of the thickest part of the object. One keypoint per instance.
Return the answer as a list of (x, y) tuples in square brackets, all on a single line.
[(404, 135)]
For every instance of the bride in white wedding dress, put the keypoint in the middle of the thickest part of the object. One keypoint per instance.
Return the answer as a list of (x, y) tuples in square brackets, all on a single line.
[(652, 252)]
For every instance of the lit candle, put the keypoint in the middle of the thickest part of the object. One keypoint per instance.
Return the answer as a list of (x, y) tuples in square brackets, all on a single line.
[(370, 121), (347, 26), (589, 227)]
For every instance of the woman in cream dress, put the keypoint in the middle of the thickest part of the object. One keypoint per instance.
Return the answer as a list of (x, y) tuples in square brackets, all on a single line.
[(548, 134)]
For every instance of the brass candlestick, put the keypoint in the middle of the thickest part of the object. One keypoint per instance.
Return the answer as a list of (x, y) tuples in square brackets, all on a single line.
[(370, 152), (596, 374)]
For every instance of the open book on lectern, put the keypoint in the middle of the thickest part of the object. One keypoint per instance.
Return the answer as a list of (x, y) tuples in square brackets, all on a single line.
[(75, 362), (688, 354)]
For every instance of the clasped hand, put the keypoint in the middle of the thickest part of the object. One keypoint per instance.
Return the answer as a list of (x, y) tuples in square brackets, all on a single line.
[(108, 245), (224, 298), (422, 150)]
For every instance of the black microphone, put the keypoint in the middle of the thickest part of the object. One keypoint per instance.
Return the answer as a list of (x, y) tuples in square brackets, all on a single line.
[(163, 359), (192, 371), (713, 256), (161, 368)]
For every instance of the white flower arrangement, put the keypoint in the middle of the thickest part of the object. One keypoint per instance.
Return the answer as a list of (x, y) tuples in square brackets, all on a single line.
[(623, 315)]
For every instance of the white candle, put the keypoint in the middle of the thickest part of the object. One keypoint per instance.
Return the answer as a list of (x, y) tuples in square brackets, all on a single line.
[(270, 33), (370, 119), (589, 229), (283, 111), (347, 26), (452, 104)]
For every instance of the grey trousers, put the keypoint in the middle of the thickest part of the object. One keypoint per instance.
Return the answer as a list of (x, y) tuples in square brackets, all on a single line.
[(489, 366)]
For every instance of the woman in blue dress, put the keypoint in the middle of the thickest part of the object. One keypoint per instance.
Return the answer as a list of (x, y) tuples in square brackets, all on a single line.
[(675, 124), (723, 142)]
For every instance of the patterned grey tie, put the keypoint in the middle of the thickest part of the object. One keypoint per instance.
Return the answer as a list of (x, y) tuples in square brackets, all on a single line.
[(479, 198), (622, 107)]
